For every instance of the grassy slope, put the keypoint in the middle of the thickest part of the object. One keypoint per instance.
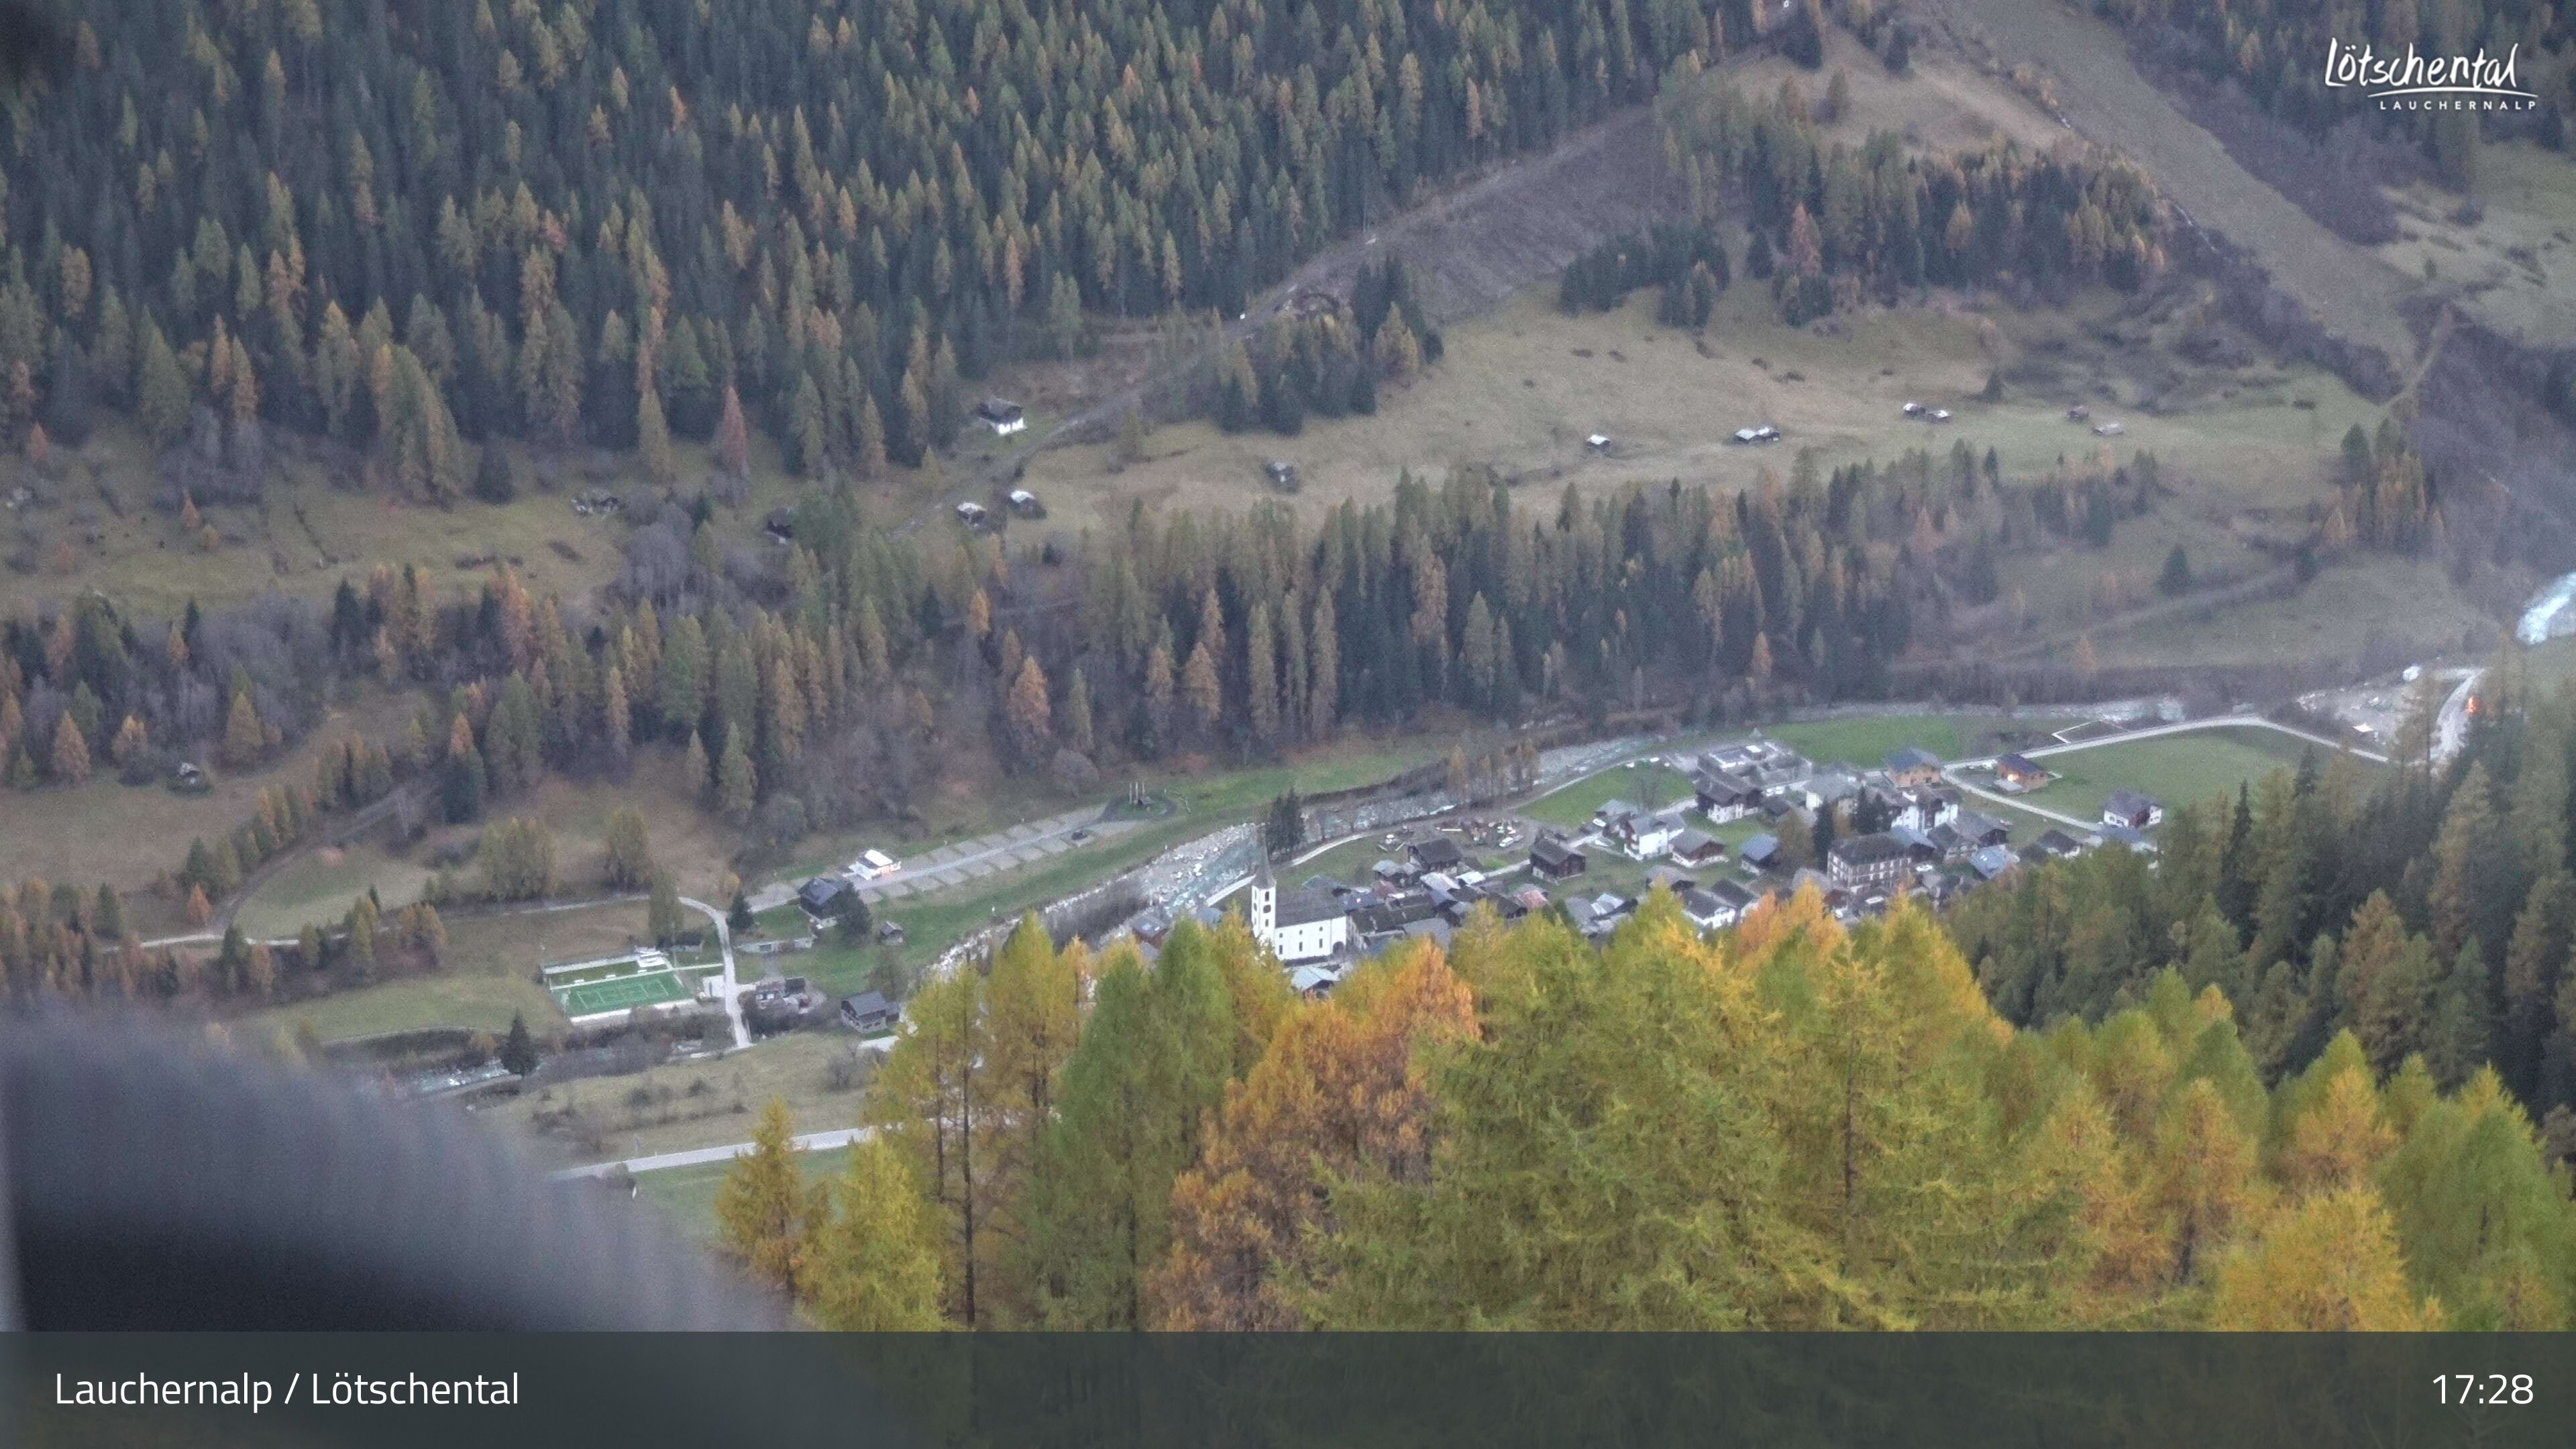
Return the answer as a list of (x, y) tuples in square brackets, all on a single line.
[(130, 835), (1867, 742), (686, 1196), (307, 534), (2177, 769), (2104, 98), (709, 1103), (686, 841), (489, 974), (2340, 612), (2514, 269), (1575, 804)]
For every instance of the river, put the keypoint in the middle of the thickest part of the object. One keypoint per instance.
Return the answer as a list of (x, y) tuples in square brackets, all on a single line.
[(2548, 615)]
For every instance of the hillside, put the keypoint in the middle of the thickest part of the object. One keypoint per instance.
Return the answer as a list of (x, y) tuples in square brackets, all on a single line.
[(605, 222)]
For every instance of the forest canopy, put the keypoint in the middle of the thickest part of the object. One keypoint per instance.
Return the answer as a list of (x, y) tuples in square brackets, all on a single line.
[(1791, 1128), (607, 220)]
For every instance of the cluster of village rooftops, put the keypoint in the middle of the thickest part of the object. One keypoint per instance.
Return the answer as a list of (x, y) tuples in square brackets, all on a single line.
[(1896, 830)]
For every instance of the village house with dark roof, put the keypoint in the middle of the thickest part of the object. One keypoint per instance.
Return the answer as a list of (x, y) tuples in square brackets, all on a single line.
[(2020, 772), (1867, 860), (1557, 858), (2134, 810)]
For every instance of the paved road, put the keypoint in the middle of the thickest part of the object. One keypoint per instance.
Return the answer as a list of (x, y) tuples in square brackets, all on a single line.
[(700, 1156), (955, 865), (2214, 722), (2022, 803), (2451, 727), (732, 983)]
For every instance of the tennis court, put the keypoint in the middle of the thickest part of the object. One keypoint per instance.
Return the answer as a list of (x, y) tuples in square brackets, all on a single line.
[(593, 998)]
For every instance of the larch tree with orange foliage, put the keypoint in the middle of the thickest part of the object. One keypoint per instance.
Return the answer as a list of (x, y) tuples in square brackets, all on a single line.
[(1340, 1094)]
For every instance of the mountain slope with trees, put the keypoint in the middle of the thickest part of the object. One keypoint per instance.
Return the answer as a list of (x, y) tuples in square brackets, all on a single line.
[(624, 220), (1788, 1128)]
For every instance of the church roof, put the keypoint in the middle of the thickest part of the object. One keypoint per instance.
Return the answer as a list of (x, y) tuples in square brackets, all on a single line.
[(1303, 908)]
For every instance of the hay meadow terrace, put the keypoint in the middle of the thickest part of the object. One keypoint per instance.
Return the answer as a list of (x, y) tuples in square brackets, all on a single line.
[(2245, 453)]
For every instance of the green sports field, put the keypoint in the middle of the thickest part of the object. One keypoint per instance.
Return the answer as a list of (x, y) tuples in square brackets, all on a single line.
[(593, 998)]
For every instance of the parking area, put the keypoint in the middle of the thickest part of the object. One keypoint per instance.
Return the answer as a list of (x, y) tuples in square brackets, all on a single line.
[(2375, 710)]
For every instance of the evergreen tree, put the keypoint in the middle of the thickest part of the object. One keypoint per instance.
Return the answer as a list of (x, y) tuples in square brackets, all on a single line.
[(765, 1212), (518, 1049), (870, 1261)]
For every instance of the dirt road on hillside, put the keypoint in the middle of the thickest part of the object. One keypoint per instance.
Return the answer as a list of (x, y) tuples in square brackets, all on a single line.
[(1517, 223)]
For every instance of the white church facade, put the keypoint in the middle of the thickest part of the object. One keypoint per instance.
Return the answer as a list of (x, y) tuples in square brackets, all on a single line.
[(1299, 925)]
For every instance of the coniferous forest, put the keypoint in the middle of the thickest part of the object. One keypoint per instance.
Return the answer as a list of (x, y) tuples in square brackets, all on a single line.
[(2429, 913), (615, 221)]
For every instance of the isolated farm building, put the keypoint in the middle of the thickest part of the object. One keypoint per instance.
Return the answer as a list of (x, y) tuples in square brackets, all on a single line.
[(2019, 772), (1003, 416), (1557, 858), (1724, 797), (1598, 442), (825, 898), (971, 514), (1913, 410), (1697, 847), (1026, 504), (2108, 430), (1283, 475), (869, 1011), (2078, 413), (781, 524), (1436, 852), (2132, 809), (1909, 767), (1867, 860)]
